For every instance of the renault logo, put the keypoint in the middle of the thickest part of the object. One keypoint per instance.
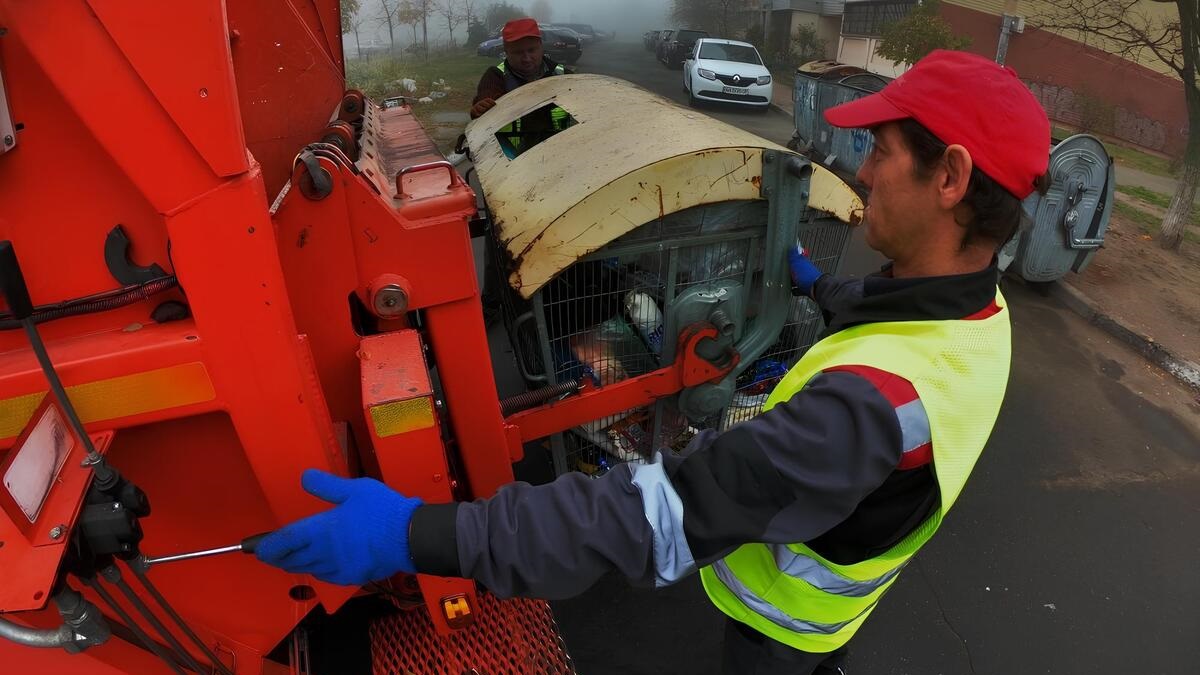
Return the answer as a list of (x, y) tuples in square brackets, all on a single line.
[(737, 78)]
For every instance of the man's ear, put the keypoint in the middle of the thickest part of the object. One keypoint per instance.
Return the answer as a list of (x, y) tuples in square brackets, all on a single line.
[(955, 177)]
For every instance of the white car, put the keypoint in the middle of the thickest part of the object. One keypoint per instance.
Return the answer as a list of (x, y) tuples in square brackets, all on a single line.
[(728, 71)]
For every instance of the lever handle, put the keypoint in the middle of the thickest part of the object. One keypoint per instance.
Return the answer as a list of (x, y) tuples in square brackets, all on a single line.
[(249, 544), (12, 282)]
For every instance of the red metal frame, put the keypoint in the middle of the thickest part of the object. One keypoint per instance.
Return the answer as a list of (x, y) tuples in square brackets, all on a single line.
[(181, 124), (688, 370)]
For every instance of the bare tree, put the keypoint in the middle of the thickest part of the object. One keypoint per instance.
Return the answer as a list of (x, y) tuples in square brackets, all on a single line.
[(351, 22), (1131, 31), (451, 11), (355, 27), (389, 15), (424, 8), (470, 11), (541, 10), (409, 15)]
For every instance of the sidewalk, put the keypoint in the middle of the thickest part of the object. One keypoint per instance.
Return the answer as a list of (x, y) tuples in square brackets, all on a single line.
[(1143, 296), (781, 98)]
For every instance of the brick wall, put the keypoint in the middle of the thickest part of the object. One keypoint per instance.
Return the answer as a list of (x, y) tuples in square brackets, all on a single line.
[(1083, 86)]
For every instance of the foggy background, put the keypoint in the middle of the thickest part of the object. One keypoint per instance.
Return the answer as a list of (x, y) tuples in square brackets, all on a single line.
[(628, 18)]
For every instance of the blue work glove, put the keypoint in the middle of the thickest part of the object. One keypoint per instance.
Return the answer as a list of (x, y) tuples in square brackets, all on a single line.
[(363, 538), (804, 272)]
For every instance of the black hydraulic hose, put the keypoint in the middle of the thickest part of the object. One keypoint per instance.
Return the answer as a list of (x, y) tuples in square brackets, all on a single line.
[(187, 630), (112, 575), (514, 404), (106, 478), (36, 637), (95, 303), (141, 635)]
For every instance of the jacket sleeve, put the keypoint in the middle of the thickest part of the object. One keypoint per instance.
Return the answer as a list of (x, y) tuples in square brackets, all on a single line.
[(788, 475), (491, 85), (834, 295)]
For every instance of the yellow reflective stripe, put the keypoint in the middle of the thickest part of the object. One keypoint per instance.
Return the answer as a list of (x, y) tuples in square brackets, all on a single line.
[(401, 417), (15, 413), (117, 397)]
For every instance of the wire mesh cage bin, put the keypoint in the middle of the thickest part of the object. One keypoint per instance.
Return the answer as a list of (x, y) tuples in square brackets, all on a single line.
[(627, 258), (603, 319)]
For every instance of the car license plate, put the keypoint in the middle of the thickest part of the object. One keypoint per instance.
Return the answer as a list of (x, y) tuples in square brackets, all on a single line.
[(735, 90)]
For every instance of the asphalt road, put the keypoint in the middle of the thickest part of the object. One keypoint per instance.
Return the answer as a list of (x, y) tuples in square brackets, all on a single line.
[(1072, 550)]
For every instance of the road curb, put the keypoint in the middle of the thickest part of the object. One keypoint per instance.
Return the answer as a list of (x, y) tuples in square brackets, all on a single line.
[(1186, 372)]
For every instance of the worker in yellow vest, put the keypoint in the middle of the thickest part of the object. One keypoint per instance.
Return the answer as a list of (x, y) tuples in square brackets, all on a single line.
[(800, 519), (524, 62)]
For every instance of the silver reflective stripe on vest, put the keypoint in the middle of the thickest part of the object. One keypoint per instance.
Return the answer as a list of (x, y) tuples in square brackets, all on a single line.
[(664, 510), (914, 425), (772, 613), (800, 566)]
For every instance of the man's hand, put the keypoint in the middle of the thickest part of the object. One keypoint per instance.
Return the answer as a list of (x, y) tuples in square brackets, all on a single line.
[(482, 106), (804, 273), (363, 538)]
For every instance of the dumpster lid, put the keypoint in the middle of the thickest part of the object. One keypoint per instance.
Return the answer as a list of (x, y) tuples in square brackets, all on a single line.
[(630, 157), (826, 69)]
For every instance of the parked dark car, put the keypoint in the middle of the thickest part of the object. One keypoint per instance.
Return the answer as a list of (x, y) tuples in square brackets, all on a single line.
[(561, 45), (650, 39), (675, 45), (493, 46), (589, 34)]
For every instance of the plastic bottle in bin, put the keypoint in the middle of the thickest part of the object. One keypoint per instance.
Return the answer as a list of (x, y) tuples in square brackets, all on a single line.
[(647, 318)]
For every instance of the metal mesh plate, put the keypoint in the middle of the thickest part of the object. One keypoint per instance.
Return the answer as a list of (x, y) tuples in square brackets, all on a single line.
[(509, 637)]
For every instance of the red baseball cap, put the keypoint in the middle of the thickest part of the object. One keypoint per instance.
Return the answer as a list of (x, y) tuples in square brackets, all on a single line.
[(521, 28), (966, 100)]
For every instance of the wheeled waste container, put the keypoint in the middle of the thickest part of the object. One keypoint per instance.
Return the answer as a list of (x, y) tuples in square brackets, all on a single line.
[(634, 220), (1069, 222)]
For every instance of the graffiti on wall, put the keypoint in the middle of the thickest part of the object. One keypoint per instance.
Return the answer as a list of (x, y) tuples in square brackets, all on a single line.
[(1092, 113)]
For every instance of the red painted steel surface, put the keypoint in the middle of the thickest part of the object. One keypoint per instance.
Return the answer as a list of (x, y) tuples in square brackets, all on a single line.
[(393, 370), (198, 90), (182, 124), (287, 58)]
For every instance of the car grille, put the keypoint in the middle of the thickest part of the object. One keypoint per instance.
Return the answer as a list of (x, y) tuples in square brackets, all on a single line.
[(743, 82), (732, 97)]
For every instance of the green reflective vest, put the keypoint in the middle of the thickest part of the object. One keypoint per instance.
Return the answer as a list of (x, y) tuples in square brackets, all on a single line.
[(559, 119), (960, 371)]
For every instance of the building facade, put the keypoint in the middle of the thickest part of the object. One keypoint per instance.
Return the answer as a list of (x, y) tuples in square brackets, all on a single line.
[(781, 20), (1074, 76)]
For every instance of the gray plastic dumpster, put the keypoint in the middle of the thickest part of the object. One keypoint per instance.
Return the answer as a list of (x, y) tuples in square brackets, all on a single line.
[(821, 85), (1070, 221)]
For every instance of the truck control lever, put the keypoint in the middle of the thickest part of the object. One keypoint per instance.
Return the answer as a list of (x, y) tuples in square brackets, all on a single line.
[(247, 545)]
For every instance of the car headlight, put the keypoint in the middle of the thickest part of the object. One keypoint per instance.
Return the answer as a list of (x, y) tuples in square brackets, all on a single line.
[(706, 74), (765, 79)]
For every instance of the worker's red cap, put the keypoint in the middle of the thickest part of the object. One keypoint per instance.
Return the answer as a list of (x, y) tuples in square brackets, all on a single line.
[(966, 100), (521, 28)]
